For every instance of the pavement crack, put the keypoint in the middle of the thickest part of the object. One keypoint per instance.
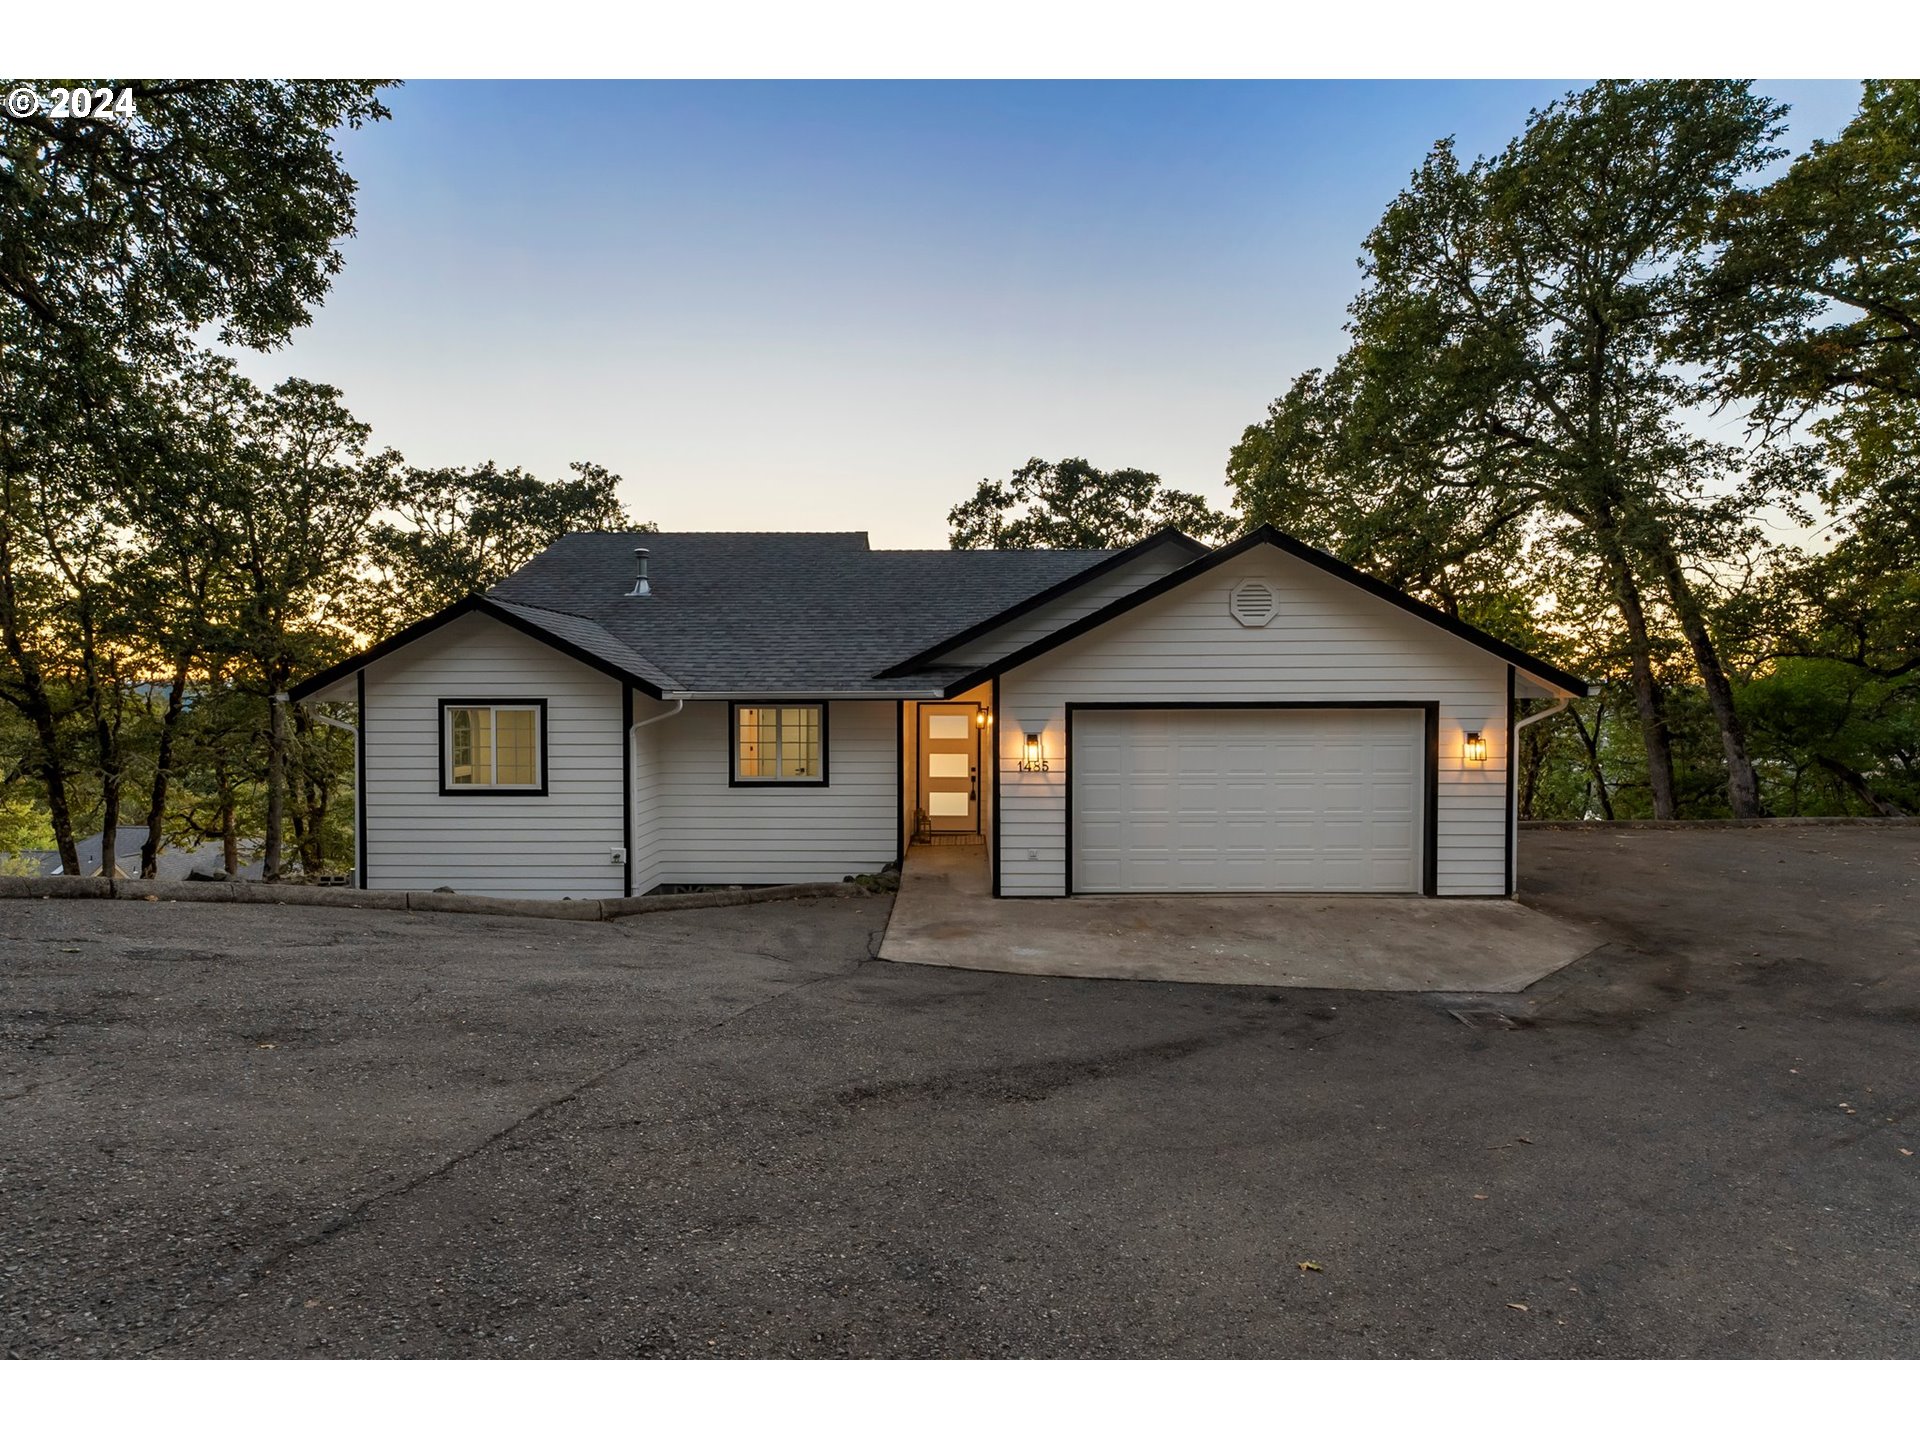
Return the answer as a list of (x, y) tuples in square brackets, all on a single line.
[(362, 1209)]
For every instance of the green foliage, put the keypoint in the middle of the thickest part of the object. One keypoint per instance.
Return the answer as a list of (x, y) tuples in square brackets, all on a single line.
[(1069, 505), (455, 533), (220, 203)]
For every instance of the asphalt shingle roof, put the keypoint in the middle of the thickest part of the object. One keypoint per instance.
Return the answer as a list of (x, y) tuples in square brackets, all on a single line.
[(773, 611)]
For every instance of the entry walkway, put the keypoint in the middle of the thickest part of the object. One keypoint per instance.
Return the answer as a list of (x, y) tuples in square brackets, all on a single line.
[(945, 915)]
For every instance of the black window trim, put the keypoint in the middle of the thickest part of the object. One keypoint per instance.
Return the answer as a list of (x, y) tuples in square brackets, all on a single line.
[(539, 705), (733, 745)]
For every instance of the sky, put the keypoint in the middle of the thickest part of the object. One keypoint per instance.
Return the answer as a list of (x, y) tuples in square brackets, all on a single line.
[(840, 305)]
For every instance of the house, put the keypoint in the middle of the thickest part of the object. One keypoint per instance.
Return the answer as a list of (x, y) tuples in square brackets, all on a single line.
[(170, 864), (631, 711)]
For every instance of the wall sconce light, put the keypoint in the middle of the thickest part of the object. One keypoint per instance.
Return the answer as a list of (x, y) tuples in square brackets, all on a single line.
[(980, 718), (1476, 748), (1032, 756)]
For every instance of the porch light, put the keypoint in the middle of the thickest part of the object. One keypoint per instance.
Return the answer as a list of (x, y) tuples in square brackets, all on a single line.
[(1476, 748), (980, 718), (1031, 754)]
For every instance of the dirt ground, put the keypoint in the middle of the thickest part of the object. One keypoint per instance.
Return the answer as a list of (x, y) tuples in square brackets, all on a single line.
[(236, 1130)]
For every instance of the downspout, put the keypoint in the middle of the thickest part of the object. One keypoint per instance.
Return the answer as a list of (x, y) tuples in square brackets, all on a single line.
[(1519, 725), (633, 761), (1546, 714)]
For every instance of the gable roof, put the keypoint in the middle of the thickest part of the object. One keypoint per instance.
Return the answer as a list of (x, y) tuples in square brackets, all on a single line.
[(1300, 550), (783, 613), (580, 639), (792, 613), (1167, 535), (809, 614)]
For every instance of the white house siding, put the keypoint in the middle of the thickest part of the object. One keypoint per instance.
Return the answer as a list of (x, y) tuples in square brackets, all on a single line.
[(1329, 641), (532, 846), (1096, 593), (709, 832), (649, 790)]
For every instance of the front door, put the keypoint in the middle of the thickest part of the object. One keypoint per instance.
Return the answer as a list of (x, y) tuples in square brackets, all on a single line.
[(950, 767)]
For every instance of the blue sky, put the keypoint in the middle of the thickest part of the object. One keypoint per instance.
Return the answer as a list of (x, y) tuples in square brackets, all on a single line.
[(839, 305)]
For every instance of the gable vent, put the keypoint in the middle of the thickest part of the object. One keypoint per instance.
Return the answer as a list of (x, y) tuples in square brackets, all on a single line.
[(1253, 603)]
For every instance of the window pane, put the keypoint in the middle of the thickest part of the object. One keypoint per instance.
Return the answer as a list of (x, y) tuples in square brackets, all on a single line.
[(947, 802), (472, 746), (800, 742), (514, 742), (777, 742), (948, 727), (948, 766), (752, 742)]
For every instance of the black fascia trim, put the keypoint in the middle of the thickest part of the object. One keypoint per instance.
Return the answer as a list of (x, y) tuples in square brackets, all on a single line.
[(1167, 534), (1513, 799), (733, 745), (993, 724), (493, 792), (1066, 863), (626, 785), (900, 778), (1430, 710), (1300, 550), (360, 781), (1430, 865), (473, 604)]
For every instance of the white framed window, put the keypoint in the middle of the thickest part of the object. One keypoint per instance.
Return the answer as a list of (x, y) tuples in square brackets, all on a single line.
[(778, 744), (493, 747)]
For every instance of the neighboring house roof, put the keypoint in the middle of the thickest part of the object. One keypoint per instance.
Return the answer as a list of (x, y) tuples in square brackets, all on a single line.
[(820, 614), (171, 864)]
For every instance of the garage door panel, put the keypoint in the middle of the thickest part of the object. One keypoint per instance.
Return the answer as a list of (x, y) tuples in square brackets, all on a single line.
[(1247, 800)]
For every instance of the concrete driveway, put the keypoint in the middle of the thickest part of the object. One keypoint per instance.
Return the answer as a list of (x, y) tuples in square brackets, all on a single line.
[(946, 915)]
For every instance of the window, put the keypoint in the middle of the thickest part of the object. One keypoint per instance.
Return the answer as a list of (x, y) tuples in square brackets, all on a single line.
[(779, 744), (493, 746)]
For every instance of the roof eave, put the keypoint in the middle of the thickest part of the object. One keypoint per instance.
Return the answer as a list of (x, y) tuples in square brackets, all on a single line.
[(1270, 535), (472, 604), (1167, 534)]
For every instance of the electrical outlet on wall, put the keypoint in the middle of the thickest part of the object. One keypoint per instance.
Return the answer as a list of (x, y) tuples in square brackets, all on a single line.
[(616, 854), (1033, 854)]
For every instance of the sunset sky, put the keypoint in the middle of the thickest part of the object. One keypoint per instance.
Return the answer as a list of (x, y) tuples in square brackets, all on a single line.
[(839, 305)]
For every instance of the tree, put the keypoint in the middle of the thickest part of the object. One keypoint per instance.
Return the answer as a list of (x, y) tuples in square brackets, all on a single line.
[(1511, 377), (1071, 505), (217, 204), (456, 533), (1817, 278), (298, 538)]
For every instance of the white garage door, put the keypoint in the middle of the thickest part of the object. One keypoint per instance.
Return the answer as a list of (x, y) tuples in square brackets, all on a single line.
[(1247, 800)]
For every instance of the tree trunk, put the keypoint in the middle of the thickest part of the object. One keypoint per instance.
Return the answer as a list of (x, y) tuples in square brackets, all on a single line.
[(1856, 782), (1590, 742), (1743, 786), (1533, 760), (229, 837), (37, 706), (1648, 697), (276, 783), (163, 769)]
